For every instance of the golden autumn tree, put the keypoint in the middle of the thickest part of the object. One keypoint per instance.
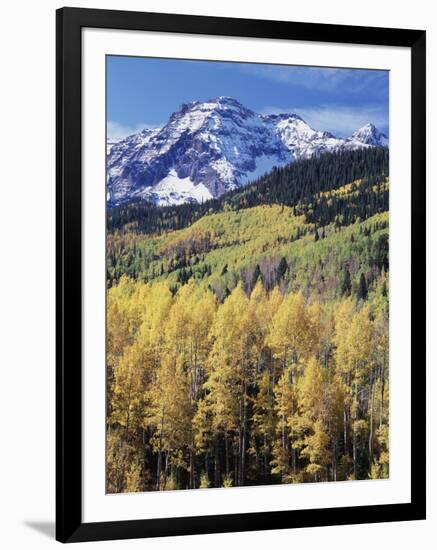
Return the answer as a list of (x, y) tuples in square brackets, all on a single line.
[(260, 388)]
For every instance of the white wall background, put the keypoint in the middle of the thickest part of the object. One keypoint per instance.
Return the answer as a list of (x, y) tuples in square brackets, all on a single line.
[(27, 266)]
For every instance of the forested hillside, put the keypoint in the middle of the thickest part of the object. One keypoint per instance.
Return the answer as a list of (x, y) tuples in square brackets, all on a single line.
[(248, 336), (292, 185)]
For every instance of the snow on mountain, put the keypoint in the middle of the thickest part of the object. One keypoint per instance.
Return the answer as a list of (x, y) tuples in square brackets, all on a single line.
[(208, 148), (174, 190), (301, 139), (109, 144), (370, 135)]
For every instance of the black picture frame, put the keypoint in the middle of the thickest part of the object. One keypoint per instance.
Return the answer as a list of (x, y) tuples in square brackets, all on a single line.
[(69, 525)]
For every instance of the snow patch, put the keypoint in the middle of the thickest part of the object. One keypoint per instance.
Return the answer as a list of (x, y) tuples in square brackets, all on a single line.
[(173, 190)]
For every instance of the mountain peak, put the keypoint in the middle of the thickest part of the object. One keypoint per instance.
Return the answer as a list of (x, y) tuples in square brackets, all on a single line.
[(370, 135), (226, 100), (195, 115), (219, 102), (284, 116)]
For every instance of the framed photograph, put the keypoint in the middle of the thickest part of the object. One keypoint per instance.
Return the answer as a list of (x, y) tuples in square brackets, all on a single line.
[(240, 274)]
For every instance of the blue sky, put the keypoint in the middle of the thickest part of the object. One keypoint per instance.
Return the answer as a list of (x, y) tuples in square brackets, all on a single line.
[(144, 92)]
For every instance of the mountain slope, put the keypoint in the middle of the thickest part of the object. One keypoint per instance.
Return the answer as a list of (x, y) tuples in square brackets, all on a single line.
[(295, 213), (220, 250), (294, 184), (209, 148)]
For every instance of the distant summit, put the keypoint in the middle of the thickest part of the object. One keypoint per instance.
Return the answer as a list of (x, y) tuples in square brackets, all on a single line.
[(370, 135)]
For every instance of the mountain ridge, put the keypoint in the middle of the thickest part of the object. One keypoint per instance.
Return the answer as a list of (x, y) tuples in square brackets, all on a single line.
[(209, 148)]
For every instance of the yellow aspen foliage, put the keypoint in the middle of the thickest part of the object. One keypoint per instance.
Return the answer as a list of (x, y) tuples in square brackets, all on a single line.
[(285, 407), (290, 335), (316, 449), (258, 388)]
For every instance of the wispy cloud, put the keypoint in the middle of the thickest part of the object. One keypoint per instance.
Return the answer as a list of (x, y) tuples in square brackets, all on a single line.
[(117, 131), (338, 119), (322, 78)]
